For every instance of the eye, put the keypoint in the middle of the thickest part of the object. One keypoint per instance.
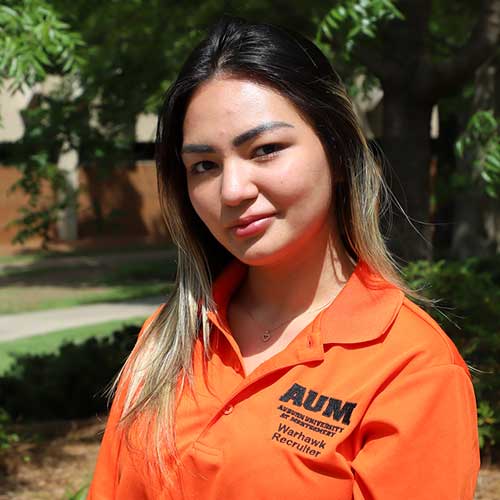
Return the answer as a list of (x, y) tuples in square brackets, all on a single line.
[(268, 150), (202, 166)]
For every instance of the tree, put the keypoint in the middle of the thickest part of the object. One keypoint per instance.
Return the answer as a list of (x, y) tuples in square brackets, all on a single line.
[(417, 50), (477, 210), (35, 43), (427, 53), (124, 69)]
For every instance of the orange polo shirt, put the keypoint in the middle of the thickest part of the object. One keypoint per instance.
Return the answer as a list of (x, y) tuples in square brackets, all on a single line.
[(370, 401)]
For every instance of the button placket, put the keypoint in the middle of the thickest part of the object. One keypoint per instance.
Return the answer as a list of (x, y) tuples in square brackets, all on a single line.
[(300, 355)]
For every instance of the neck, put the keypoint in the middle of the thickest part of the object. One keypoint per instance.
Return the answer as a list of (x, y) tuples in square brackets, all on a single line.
[(308, 280)]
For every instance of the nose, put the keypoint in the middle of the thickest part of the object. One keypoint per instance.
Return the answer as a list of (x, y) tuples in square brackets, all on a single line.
[(237, 183)]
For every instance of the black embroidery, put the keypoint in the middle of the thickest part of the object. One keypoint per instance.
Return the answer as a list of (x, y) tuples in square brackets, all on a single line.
[(336, 408)]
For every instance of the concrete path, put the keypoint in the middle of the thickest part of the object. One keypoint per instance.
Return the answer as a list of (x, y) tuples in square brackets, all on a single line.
[(16, 326)]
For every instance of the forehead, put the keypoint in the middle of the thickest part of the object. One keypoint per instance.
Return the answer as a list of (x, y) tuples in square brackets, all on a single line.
[(230, 105)]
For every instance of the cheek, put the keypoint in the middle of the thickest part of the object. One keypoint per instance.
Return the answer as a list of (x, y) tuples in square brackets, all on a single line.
[(197, 201), (308, 178), (201, 201)]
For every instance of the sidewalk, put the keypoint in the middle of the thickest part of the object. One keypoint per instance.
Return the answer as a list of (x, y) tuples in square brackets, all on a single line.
[(16, 326)]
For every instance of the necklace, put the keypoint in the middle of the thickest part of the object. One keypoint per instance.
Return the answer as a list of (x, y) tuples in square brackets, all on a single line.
[(266, 335)]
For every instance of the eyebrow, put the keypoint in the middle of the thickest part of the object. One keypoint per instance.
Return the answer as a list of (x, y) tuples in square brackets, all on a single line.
[(238, 140)]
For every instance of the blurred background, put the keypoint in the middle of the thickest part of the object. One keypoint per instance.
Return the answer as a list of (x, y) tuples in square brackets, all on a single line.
[(84, 254)]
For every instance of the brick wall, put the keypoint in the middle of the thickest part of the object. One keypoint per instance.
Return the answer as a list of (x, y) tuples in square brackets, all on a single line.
[(126, 198)]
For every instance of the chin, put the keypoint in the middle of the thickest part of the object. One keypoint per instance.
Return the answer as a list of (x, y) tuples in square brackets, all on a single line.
[(261, 257)]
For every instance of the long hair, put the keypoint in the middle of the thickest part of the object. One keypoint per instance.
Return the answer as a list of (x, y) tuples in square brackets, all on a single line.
[(294, 67)]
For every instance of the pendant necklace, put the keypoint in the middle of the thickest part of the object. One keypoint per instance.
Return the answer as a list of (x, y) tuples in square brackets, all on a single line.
[(267, 333)]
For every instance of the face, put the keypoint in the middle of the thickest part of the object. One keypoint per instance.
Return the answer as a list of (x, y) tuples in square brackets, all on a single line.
[(257, 174)]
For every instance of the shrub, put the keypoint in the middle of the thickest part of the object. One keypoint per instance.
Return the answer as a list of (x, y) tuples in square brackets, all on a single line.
[(7, 438), (469, 312), (68, 384)]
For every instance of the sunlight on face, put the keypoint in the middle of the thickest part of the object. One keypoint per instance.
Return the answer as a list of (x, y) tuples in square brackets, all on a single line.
[(257, 174)]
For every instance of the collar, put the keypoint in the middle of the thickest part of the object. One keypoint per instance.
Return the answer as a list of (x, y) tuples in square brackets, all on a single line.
[(362, 311)]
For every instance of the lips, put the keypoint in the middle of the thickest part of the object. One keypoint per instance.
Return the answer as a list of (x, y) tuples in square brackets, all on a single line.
[(251, 225), (244, 221)]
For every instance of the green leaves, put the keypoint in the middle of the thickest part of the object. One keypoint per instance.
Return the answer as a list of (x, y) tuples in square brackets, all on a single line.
[(486, 421), (469, 294), (34, 42), (41, 180), (80, 494), (7, 438), (480, 142), (350, 20), (352, 23)]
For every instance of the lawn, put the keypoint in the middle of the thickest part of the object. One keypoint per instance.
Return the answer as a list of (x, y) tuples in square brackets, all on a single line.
[(33, 289), (21, 259), (50, 342), (41, 255), (20, 299)]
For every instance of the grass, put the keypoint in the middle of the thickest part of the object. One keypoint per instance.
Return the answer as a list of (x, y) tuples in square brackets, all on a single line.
[(35, 289), (112, 294), (21, 259), (18, 300), (36, 255), (81, 494), (25, 270), (50, 342)]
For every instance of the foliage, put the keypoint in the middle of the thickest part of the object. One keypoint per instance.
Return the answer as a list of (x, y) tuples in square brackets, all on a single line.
[(344, 27), (80, 494), (469, 313), (67, 384), (481, 142), (34, 42), (41, 180), (351, 26), (42, 209), (7, 438), (486, 420), (349, 23), (54, 124), (50, 343), (350, 20), (124, 69)]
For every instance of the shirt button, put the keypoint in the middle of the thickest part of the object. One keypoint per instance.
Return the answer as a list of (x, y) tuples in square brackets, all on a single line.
[(228, 410)]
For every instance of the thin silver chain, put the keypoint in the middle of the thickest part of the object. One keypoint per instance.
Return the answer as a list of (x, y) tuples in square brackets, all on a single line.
[(266, 336)]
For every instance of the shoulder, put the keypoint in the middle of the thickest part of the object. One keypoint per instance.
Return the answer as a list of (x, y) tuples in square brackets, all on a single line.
[(156, 315), (416, 332)]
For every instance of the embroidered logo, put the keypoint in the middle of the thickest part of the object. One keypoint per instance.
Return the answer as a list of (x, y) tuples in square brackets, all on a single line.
[(298, 396), (335, 408)]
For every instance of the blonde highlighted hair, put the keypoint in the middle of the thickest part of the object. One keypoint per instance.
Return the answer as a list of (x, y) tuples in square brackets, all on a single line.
[(298, 70)]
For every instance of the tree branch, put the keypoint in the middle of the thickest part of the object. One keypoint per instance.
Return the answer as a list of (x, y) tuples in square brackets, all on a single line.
[(441, 78), (376, 63), (400, 43)]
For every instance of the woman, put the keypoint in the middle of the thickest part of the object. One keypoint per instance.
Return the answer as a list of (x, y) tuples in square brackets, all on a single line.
[(288, 362)]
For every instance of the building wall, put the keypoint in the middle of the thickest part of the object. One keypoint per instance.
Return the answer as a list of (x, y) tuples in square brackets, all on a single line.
[(11, 202), (126, 199)]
